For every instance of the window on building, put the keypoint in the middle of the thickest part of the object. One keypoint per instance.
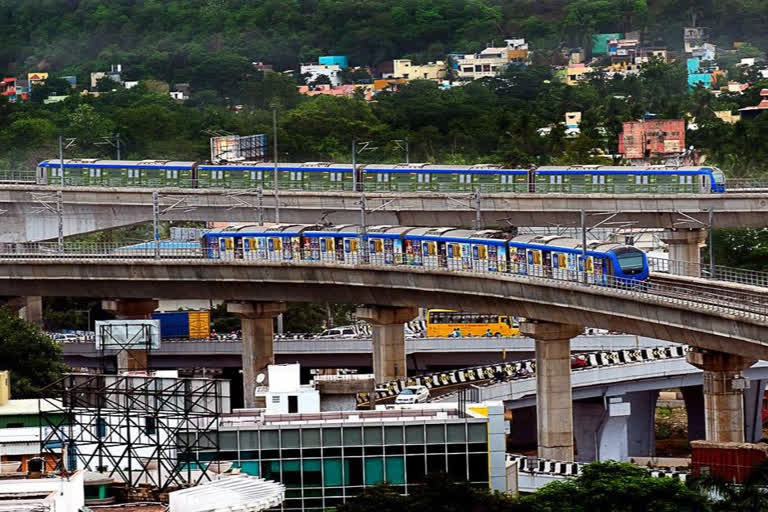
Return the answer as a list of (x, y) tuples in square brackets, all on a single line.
[(149, 425), (374, 470), (332, 473), (395, 470), (352, 436), (331, 437), (313, 476), (289, 438)]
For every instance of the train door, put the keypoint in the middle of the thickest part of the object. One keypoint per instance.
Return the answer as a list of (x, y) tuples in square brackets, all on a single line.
[(42, 176), (389, 251), (534, 262), (351, 250), (501, 257), (479, 258), (397, 249), (274, 248), (287, 248), (249, 248), (532, 180), (338, 245), (442, 255), (238, 248), (559, 265), (226, 248), (429, 253), (261, 248), (453, 255), (376, 251), (327, 249)]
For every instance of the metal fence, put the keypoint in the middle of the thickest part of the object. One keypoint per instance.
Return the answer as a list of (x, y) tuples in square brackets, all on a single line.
[(721, 273), (697, 295), (17, 176)]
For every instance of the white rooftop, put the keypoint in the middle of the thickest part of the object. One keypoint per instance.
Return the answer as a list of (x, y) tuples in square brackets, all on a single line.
[(28, 406), (237, 492)]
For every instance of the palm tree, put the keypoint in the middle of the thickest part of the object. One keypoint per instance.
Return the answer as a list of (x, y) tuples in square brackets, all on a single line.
[(751, 495)]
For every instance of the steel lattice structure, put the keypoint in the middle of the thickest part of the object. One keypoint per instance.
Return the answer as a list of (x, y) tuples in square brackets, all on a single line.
[(141, 429)]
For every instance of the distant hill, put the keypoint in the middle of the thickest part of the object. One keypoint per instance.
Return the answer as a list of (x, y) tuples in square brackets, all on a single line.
[(183, 41)]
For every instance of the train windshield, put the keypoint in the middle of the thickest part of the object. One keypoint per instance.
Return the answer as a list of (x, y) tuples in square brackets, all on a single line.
[(630, 260), (719, 176)]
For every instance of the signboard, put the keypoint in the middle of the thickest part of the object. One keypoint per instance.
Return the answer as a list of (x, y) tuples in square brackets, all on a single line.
[(127, 334), (234, 148)]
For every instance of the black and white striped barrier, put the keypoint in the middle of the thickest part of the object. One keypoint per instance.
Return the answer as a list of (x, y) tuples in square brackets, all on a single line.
[(518, 370), (561, 468)]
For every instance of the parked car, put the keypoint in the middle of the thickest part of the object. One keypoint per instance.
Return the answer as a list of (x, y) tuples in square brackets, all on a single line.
[(338, 333), (66, 338), (579, 361), (413, 395)]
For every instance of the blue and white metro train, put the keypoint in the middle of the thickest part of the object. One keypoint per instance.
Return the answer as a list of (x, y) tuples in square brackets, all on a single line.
[(458, 249)]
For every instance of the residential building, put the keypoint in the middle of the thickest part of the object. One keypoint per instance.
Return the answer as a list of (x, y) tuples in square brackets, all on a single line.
[(648, 53), (706, 51), (623, 50), (20, 429), (388, 84), (114, 73), (574, 74), (260, 66), (727, 116), (404, 68), (368, 90), (600, 43), (284, 393), (652, 139), (14, 90), (334, 60), (753, 112), (53, 493), (693, 37), (36, 78), (325, 458), (487, 63), (314, 71), (737, 87)]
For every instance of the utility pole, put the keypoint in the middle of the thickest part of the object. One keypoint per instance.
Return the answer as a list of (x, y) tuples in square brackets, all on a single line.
[(275, 185), (117, 144), (60, 215), (407, 152), (61, 158), (711, 244), (354, 163), (478, 215), (363, 230), (584, 246), (156, 223), (261, 206)]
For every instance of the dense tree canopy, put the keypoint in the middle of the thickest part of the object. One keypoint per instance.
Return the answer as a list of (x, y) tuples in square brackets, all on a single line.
[(33, 358)]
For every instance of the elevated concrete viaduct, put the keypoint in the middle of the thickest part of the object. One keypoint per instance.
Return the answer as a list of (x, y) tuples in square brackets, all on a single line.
[(88, 209), (553, 306)]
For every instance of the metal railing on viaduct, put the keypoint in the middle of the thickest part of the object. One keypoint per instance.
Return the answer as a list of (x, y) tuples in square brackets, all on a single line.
[(709, 316)]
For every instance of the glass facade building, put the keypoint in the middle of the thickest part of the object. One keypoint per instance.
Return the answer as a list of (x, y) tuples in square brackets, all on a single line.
[(325, 458)]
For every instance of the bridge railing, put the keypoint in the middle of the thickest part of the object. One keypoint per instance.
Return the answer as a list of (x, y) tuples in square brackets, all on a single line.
[(700, 296), (17, 176), (721, 273)]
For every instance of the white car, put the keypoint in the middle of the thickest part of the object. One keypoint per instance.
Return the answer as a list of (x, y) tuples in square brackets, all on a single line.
[(413, 395), (66, 338), (338, 333)]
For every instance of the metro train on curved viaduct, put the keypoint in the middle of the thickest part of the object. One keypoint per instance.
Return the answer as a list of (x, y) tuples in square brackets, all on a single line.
[(320, 176)]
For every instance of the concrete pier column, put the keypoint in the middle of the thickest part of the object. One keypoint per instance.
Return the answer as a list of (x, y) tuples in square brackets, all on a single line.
[(29, 308), (388, 323), (131, 309), (257, 325), (693, 396), (724, 386), (684, 250), (754, 396), (554, 404), (32, 311)]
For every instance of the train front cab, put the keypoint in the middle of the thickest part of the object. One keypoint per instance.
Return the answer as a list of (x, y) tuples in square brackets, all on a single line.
[(628, 265)]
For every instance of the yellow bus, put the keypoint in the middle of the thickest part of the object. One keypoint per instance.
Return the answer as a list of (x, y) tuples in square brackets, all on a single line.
[(447, 323)]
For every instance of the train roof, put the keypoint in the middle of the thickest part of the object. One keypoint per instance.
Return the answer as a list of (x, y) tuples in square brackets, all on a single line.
[(622, 169), (118, 164)]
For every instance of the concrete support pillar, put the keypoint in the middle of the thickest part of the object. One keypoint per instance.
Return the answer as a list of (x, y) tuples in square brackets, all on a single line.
[(32, 311), (724, 386), (131, 309), (685, 250), (642, 423), (29, 308), (753, 411), (257, 325), (554, 406), (693, 396), (389, 362)]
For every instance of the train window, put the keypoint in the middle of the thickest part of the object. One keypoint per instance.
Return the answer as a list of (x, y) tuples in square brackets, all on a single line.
[(645, 180), (595, 179), (638, 180), (555, 180), (293, 175), (298, 175)]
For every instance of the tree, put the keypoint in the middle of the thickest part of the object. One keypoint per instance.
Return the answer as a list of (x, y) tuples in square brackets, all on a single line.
[(33, 358), (615, 487), (107, 84), (88, 125), (750, 495)]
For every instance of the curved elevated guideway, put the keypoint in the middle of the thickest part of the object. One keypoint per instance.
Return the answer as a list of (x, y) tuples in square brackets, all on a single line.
[(729, 326)]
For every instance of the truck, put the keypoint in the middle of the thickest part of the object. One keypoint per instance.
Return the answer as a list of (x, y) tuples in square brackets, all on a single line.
[(184, 325)]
